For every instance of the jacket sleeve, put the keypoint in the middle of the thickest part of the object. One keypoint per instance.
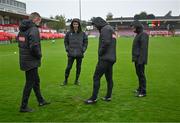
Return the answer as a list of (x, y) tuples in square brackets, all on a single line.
[(34, 42), (85, 42), (66, 42), (143, 48), (106, 37)]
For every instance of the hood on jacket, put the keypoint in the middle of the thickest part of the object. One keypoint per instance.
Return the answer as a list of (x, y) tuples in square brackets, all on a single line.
[(78, 21), (25, 25), (138, 26), (98, 22)]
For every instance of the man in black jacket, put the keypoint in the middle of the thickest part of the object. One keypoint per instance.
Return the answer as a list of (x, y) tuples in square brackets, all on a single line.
[(106, 59), (76, 43), (30, 59), (140, 56)]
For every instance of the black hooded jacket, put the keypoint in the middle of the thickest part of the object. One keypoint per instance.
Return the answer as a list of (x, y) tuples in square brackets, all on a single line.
[(29, 46), (75, 42), (140, 44), (107, 40)]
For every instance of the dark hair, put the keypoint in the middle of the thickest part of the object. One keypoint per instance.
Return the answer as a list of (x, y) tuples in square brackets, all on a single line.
[(138, 26), (34, 15), (79, 27)]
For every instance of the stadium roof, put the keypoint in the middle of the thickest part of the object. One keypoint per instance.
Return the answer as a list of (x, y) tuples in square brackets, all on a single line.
[(158, 18), (20, 15)]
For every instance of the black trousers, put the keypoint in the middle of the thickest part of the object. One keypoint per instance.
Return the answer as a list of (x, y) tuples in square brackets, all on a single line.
[(140, 68), (69, 66), (103, 67), (32, 82)]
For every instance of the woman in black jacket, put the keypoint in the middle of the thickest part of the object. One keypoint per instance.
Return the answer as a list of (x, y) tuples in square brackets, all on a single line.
[(75, 42)]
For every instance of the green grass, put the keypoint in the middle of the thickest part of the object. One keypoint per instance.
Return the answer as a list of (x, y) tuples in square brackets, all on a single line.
[(163, 85)]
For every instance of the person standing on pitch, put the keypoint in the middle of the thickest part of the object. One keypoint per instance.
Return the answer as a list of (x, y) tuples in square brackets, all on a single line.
[(76, 43), (140, 56), (30, 59), (106, 59)]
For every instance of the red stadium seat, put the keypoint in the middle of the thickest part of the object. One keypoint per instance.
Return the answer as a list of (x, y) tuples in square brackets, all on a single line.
[(7, 36), (51, 35), (3, 38)]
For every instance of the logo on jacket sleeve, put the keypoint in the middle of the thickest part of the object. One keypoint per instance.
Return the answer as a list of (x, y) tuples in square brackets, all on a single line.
[(21, 39), (114, 36)]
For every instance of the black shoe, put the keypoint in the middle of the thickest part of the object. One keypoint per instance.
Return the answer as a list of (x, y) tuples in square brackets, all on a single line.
[(44, 103), (106, 99), (140, 95), (77, 83), (64, 83), (90, 101), (136, 91), (27, 109)]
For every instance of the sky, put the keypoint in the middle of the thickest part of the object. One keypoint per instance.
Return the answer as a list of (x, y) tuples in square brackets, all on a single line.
[(94, 8)]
